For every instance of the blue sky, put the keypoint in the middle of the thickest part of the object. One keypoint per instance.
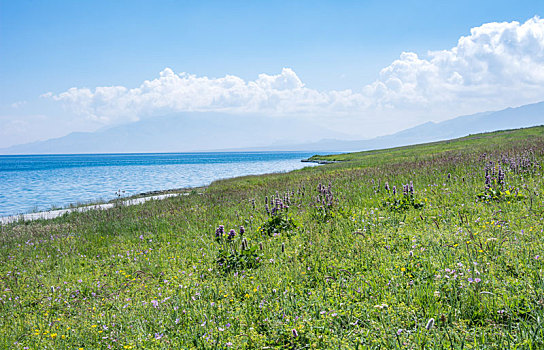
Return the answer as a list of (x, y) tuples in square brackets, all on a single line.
[(52, 46)]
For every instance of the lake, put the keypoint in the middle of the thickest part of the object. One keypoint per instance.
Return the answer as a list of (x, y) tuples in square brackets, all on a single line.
[(40, 182)]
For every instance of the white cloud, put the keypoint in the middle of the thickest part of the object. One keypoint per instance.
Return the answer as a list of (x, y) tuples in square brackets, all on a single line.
[(497, 65), (269, 94), (18, 104)]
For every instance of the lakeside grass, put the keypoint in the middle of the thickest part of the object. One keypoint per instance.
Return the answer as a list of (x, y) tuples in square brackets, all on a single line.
[(349, 264)]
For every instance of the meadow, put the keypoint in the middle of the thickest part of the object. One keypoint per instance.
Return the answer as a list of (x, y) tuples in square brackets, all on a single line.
[(434, 246)]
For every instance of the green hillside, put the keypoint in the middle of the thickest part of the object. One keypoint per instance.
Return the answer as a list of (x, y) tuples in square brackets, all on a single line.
[(434, 246)]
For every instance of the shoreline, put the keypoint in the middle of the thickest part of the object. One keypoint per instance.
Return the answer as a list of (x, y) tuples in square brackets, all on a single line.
[(52, 214), (132, 200), (317, 161)]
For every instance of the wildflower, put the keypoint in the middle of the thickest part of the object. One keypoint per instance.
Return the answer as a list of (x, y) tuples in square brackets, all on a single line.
[(232, 233), (219, 231), (399, 332), (295, 333), (242, 230), (430, 324)]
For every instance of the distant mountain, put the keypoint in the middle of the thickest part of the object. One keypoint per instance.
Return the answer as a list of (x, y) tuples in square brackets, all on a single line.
[(510, 118), (218, 131), (182, 133)]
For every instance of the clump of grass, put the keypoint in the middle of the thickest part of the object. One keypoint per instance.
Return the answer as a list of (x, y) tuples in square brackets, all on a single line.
[(401, 203)]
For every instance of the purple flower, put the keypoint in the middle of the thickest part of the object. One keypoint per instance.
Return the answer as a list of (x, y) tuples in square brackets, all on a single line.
[(158, 336), (242, 230), (295, 333), (232, 233), (155, 303), (219, 231)]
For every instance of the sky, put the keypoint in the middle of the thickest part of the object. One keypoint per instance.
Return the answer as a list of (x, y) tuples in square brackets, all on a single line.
[(362, 68)]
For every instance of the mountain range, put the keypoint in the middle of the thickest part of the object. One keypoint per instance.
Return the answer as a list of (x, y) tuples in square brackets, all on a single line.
[(509, 118), (217, 131)]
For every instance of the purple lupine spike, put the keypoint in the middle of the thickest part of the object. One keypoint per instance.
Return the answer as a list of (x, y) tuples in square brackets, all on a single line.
[(394, 190), (219, 231), (411, 187), (501, 176), (387, 186), (232, 233), (242, 230), (487, 181)]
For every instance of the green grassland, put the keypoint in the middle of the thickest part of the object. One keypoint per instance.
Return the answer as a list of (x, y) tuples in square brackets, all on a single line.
[(406, 248)]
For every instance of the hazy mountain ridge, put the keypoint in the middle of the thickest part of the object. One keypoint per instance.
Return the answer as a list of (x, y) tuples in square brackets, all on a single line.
[(510, 118), (206, 132), (181, 133)]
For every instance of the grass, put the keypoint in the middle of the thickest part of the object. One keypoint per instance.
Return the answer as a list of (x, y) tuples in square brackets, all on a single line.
[(356, 260)]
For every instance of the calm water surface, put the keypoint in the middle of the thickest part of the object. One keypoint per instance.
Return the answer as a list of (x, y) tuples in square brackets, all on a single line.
[(40, 182)]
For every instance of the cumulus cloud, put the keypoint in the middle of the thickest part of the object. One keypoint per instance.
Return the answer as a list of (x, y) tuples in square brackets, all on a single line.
[(270, 94), (497, 65)]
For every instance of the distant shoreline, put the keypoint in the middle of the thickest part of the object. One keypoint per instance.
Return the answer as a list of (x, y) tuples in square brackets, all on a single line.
[(134, 200)]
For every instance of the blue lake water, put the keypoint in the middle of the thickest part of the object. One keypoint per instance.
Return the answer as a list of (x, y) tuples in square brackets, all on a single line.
[(40, 182)]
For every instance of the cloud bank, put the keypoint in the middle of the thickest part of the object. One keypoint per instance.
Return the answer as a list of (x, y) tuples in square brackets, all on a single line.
[(496, 66)]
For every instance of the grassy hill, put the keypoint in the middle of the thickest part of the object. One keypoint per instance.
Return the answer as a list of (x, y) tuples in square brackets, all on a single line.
[(429, 246)]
